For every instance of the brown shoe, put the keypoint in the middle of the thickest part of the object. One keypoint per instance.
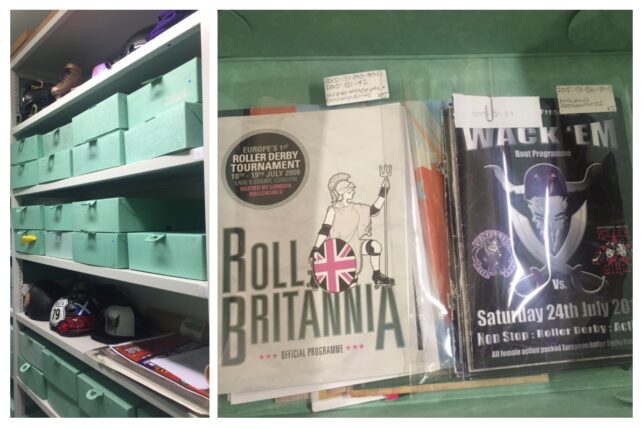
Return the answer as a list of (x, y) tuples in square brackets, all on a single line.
[(72, 78)]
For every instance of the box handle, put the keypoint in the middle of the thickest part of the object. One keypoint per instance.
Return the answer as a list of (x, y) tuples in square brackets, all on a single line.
[(155, 237), (154, 81), (89, 203), (21, 144), (56, 136), (26, 239), (92, 142), (21, 209), (87, 232), (55, 206), (92, 394), (25, 367)]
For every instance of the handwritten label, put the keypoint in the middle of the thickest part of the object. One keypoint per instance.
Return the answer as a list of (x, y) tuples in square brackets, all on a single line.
[(473, 111), (585, 99), (356, 87)]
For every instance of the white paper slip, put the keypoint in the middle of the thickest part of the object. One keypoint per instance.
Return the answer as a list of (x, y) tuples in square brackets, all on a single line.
[(356, 87), (474, 111), (585, 99)]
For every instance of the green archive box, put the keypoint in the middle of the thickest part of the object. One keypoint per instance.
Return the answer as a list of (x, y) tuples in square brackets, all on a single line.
[(171, 254), (31, 346), (59, 217), (62, 369), (183, 84), (32, 377), (100, 397), (137, 214), (149, 410), (55, 166), (178, 128), (59, 139), (99, 154), (61, 403), (24, 174), (58, 244), (107, 116), (104, 249), (28, 217), (30, 241), (26, 149)]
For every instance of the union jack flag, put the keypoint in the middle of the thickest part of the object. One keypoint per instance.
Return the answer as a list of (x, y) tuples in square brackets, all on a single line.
[(335, 265)]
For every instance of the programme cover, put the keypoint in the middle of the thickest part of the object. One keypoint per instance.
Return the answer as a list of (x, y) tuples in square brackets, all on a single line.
[(543, 218), (314, 282)]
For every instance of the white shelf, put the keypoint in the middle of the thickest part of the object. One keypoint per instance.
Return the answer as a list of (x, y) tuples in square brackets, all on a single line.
[(80, 346), (44, 405), (155, 165), (196, 288), (125, 76)]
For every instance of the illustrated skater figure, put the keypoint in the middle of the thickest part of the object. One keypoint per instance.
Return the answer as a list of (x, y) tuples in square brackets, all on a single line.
[(351, 222)]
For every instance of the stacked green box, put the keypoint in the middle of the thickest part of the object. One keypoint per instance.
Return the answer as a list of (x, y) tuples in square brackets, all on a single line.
[(183, 84), (100, 397), (31, 347), (104, 249), (99, 154), (178, 128), (137, 214), (107, 116), (171, 254), (59, 139), (61, 403), (28, 217), (55, 166), (27, 149), (148, 411), (59, 217), (30, 241), (33, 377), (58, 244), (24, 174)]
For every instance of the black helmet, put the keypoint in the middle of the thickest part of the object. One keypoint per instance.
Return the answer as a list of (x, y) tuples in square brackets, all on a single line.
[(39, 299), (136, 41)]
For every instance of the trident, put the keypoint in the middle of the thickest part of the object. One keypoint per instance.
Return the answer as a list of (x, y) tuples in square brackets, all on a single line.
[(385, 172)]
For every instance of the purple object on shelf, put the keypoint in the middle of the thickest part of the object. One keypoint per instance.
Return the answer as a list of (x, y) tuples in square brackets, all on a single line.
[(165, 20)]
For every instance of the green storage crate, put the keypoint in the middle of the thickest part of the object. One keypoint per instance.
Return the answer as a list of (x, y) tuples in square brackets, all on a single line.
[(24, 174), (26, 149), (61, 403), (149, 410), (107, 116), (183, 84), (104, 249), (100, 397), (137, 214), (178, 128), (99, 154), (28, 217), (58, 244), (55, 166), (33, 243), (59, 139), (62, 369), (32, 377), (31, 346), (171, 254), (59, 217)]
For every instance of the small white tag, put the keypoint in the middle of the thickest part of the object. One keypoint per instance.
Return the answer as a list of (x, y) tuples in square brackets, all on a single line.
[(585, 99), (197, 153), (356, 87), (192, 328), (473, 111)]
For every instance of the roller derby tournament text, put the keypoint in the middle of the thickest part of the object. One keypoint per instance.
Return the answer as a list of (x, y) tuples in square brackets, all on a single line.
[(523, 326), (268, 303)]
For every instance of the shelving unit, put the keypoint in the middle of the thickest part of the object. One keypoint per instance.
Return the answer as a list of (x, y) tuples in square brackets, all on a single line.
[(44, 405), (76, 36), (172, 284)]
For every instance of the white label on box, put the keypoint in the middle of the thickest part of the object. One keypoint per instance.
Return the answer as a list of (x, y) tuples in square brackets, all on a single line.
[(356, 87), (585, 99), (474, 111)]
